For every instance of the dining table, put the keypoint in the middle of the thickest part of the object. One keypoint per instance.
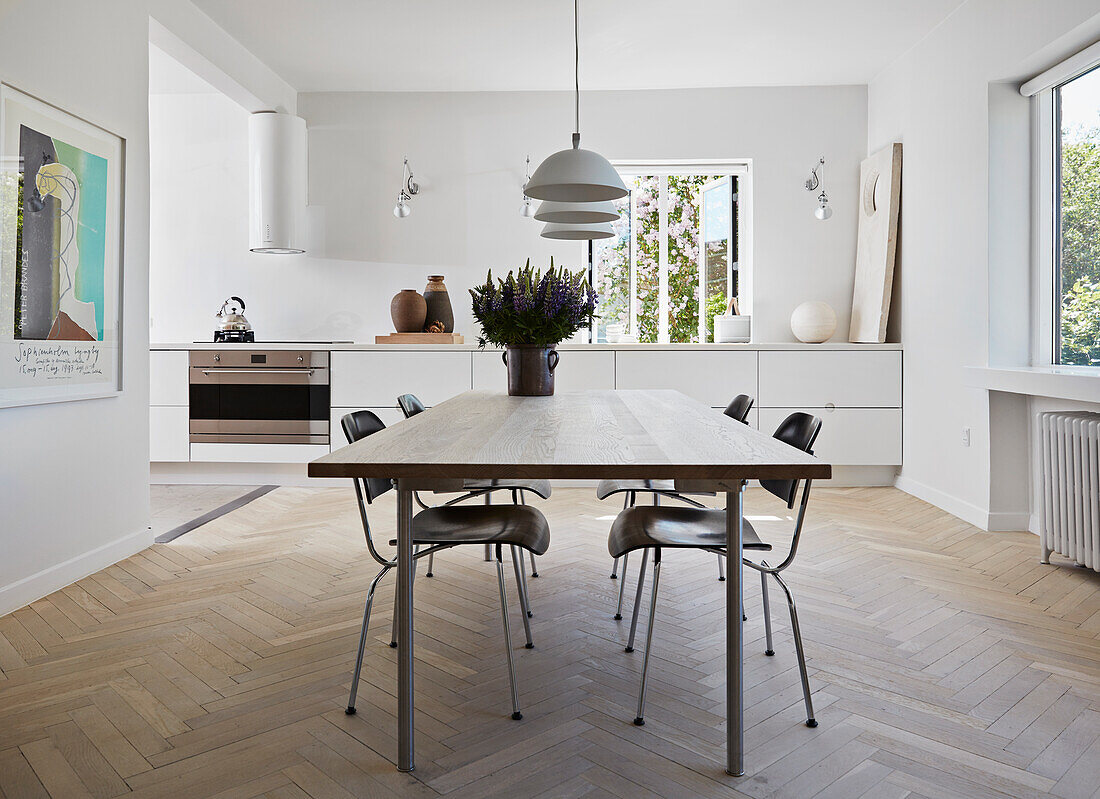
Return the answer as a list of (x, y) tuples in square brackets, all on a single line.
[(573, 435)]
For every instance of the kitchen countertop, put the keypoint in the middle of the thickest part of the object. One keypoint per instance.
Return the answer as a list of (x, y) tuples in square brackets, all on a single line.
[(363, 346)]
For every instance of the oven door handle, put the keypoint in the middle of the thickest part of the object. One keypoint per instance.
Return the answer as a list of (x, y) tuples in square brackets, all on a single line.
[(257, 371)]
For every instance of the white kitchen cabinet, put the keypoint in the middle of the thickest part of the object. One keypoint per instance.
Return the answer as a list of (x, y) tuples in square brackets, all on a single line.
[(168, 433), (576, 371), (849, 436), (713, 378), (257, 453), (168, 377), (817, 379), (389, 416), (377, 379)]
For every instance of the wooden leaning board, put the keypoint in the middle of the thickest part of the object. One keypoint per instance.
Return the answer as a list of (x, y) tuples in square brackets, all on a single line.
[(420, 338)]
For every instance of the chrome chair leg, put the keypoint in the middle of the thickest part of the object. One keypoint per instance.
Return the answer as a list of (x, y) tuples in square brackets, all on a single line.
[(810, 720), (637, 601), (622, 588), (393, 632), (534, 568), (767, 613), (521, 589), (431, 562), (350, 710), (615, 565), (615, 569), (640, 718), (721, 568), (521, 578), (507, 637)]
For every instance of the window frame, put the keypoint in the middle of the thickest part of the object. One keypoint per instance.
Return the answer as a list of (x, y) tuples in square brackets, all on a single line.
[(741, 168), (1046, 174)]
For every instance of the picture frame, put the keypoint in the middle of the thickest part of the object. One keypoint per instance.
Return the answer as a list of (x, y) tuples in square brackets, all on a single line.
[(61, 254)]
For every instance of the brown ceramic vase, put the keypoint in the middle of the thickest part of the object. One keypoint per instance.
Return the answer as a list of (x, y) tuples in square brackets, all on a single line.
[(439, 304), (408, 310)]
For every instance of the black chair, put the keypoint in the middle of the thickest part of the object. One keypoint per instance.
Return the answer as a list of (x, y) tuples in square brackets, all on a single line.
[(411, 405), (433, 529), (738, 409), (657, 528)]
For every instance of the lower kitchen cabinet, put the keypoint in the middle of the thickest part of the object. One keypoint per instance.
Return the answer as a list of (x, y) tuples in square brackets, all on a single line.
[(576, 371), (376, 379), (849, 436), (169, 436), (714, 378)]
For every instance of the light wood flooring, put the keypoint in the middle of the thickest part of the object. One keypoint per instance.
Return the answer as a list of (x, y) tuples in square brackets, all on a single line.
[(945, 662)]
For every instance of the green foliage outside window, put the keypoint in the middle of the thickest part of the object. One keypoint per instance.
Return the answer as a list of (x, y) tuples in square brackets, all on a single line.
[(1080, 252)]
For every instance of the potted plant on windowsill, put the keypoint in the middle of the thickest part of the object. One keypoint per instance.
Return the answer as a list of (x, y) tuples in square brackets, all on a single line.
[(529, 313)]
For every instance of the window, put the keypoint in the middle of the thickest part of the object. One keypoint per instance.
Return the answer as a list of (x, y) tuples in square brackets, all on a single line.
[(1076, 273), (674, 261)]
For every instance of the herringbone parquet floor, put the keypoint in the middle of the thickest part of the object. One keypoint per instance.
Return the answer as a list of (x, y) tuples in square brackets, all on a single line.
[(945, 662)]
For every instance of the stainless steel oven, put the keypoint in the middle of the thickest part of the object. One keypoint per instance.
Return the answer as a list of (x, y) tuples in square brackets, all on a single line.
[(245, 396)]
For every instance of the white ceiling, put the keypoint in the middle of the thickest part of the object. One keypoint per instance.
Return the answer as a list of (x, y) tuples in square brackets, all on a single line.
[(492, 45)]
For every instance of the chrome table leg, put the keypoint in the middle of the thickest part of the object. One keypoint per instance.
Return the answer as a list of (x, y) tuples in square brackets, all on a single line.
[(405, 565), (735, 732)]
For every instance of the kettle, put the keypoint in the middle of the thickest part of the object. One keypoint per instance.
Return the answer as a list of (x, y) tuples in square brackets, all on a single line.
[(231, 315)]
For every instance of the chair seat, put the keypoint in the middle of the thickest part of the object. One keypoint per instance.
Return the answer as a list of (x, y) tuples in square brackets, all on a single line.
[(683, 528), (518, 525), (608, 487), (540, 487)]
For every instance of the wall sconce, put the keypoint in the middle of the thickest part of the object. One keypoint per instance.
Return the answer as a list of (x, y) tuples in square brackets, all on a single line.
[(815, 181), (409, 189), (527, 210)]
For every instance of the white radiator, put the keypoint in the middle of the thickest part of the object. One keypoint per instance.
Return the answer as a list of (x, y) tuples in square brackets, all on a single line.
[(1070, 468)]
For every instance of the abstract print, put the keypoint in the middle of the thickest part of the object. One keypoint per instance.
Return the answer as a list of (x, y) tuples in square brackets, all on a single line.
[(60, 262)]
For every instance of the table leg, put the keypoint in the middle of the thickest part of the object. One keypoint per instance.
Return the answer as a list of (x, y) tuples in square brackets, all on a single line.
[(405, 564), (735, 728)]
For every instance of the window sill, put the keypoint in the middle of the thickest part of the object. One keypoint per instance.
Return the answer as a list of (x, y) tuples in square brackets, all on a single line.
[(1081, 383)]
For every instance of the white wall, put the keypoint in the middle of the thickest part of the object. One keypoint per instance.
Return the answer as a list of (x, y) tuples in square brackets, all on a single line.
[(956, 242), (467, 150), (74, 476)]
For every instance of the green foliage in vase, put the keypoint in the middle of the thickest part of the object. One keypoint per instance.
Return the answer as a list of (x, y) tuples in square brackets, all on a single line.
[(538, 309)]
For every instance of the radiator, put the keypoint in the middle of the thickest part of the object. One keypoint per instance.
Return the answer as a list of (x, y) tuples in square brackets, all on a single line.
[(1069, 520)]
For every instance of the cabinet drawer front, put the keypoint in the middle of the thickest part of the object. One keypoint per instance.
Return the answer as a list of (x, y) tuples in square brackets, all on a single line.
[(168, 378), (389, 417), (844, 379), (713, 378), (576, 371), (169, 437), (849, 436), (377, 379)]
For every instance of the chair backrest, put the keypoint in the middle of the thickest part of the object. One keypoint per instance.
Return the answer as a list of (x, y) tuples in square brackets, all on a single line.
[(357, 425), (739, 408), (799, 430), (410, 405)]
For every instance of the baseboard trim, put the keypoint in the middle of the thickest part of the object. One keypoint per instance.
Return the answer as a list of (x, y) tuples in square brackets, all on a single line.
[(30, 589), (964, 510)]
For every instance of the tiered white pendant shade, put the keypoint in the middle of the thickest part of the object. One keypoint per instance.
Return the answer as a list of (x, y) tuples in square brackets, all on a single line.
[(577, 213), (577, 232), (576, 176)]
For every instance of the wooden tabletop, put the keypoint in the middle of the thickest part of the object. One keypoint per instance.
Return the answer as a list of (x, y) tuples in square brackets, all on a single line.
[(571, 435)]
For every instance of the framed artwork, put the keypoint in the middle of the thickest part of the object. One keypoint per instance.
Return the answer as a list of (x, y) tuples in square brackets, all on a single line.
[(61, 206)]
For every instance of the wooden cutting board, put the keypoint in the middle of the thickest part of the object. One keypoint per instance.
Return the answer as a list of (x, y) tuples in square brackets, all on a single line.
[(420, 338)]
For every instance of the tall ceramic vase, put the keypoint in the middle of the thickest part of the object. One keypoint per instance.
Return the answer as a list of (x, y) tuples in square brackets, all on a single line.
[(439, 304), (530, 370), (408, 310)]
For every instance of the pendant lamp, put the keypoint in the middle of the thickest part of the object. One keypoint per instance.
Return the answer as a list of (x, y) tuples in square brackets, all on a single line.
[(576, 175), (577, 232), (576, 213)]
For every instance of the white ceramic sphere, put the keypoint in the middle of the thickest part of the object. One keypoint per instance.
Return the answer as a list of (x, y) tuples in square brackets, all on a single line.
[(813, 322)]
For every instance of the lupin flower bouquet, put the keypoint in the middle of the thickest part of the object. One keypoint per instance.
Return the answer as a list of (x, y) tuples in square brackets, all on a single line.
[(529, 313)]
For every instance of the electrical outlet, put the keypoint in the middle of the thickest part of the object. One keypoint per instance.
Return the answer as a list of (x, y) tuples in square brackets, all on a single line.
[(966, 437)]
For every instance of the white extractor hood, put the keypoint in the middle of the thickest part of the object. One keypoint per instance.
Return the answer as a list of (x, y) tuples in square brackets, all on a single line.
[(277, 183)]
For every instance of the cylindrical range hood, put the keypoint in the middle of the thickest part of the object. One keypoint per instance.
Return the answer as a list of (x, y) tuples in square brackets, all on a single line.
[(277, 182)]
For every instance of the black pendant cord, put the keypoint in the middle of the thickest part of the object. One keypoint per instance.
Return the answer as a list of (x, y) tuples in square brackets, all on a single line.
[(576, 77)]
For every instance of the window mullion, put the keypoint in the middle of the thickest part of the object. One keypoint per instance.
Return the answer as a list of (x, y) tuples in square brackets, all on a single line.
[(633, 311)]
